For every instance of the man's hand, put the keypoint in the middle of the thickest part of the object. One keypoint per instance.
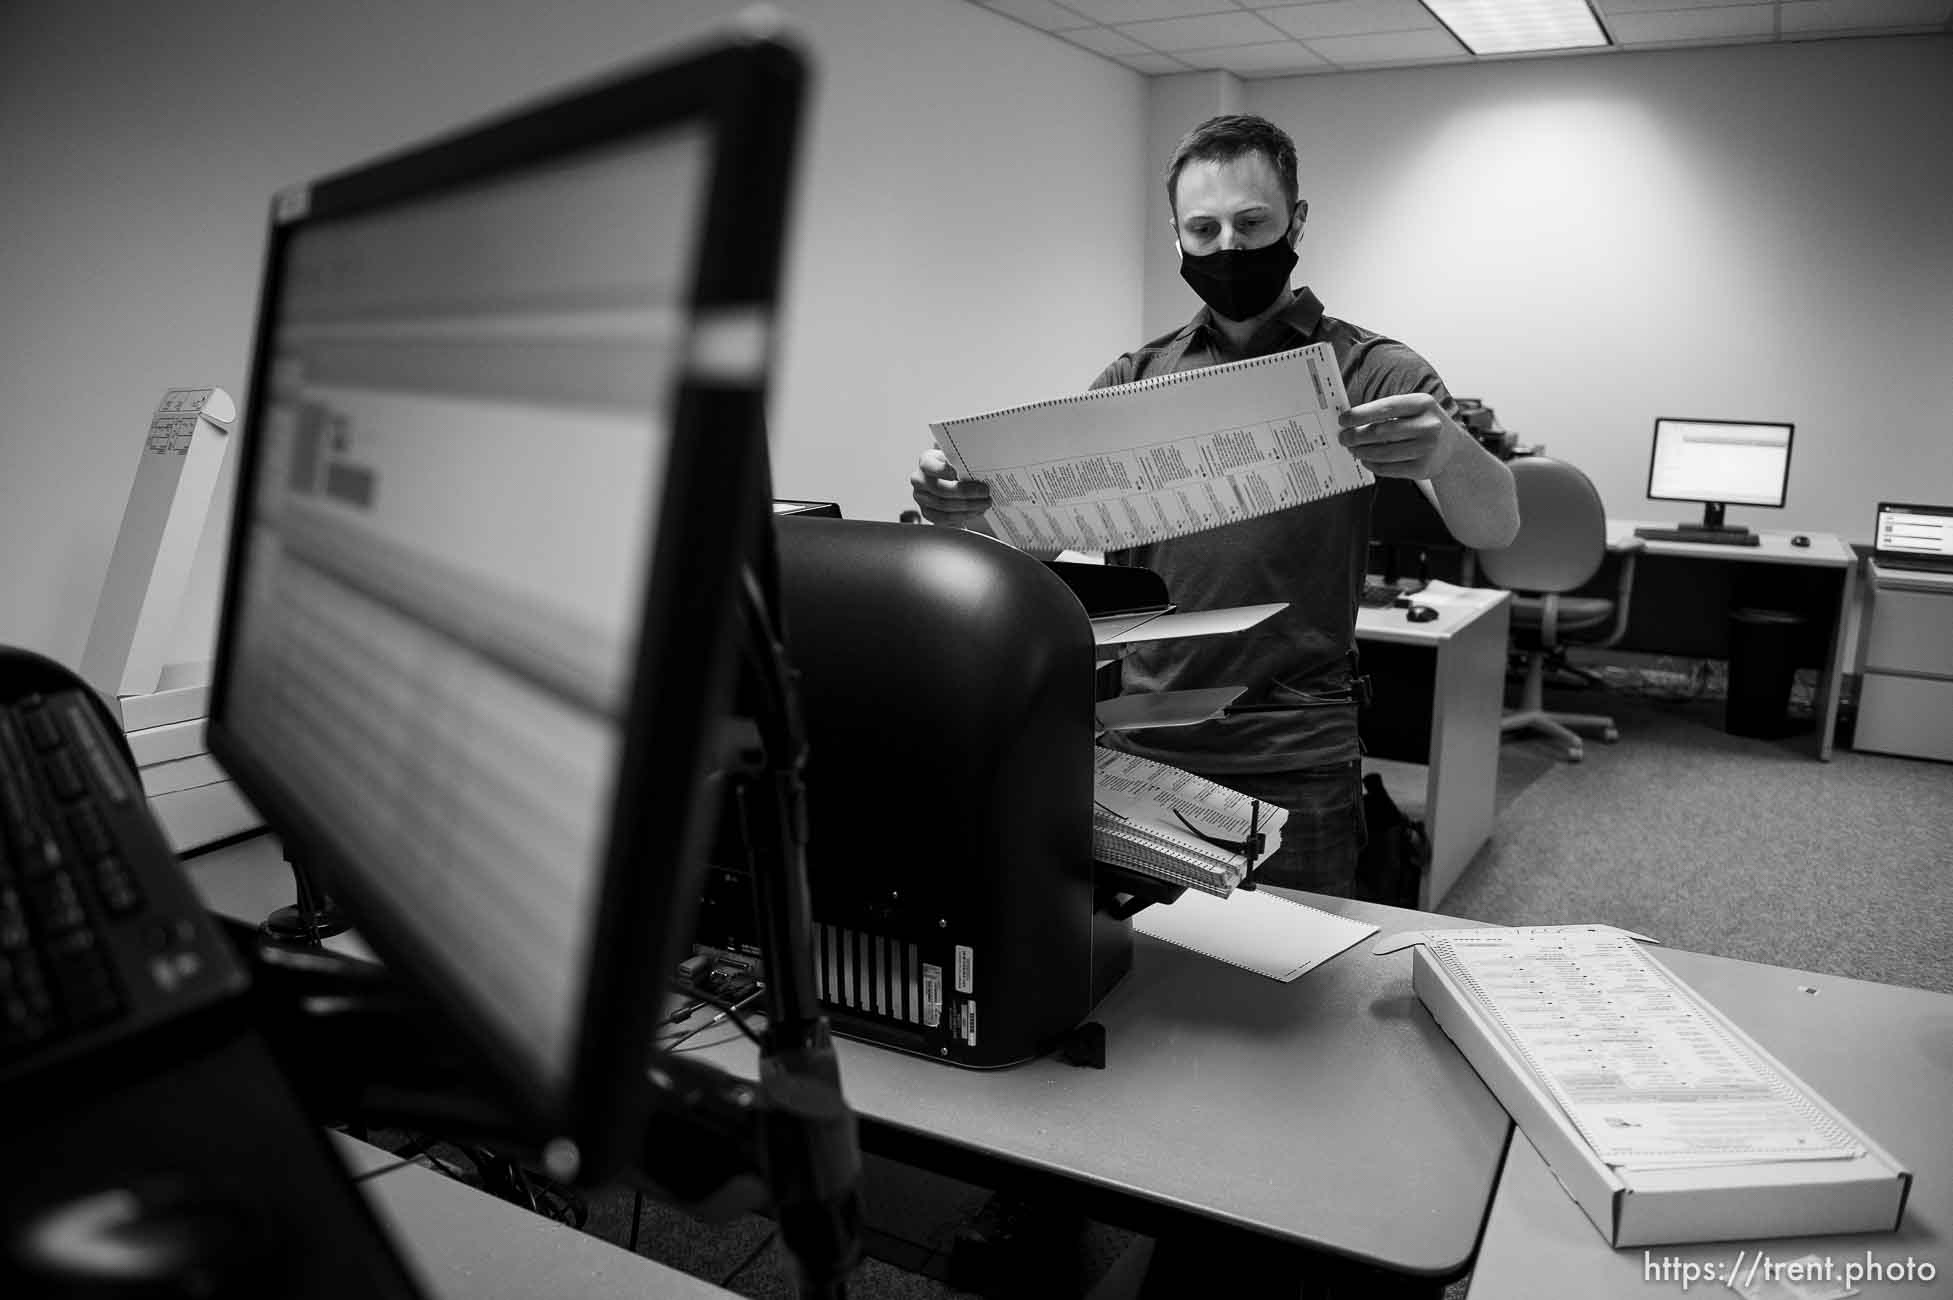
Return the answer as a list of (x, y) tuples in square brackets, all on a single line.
[(945, 499), (1405, 436)]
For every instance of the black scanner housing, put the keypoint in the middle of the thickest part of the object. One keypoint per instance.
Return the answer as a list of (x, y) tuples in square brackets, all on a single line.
[(946, 684)]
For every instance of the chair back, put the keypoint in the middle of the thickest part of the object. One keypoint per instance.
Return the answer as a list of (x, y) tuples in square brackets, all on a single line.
[(1562, 529)]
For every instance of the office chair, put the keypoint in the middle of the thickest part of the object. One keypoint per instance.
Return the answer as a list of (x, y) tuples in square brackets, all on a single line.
[(1562, 540)]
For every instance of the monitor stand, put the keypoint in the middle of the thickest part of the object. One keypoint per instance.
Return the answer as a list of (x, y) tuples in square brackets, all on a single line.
[(1712, 512), (310, 921)]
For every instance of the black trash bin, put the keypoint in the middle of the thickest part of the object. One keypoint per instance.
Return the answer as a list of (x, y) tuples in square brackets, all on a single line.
[(1762, 665)]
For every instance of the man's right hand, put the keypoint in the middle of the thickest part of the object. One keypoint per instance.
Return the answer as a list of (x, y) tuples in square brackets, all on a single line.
[(946, 499)]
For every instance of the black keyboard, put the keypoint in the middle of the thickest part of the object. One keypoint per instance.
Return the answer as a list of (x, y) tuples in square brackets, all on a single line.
[(1698, 535), (1915, 565), (1384, 595), (101, 935)]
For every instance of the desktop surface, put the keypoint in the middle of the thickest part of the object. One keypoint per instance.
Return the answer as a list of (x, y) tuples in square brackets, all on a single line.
[(1774, 545), (1326, 1113)]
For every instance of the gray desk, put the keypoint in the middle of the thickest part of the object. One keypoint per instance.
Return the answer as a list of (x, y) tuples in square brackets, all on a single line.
[(462, 1244), (1330, 1114), (1684, 591), (1882, 1054), (1461, 656)]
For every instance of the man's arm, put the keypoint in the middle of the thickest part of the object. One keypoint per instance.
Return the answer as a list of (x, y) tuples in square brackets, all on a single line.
[(1410, 436), (1474, 493)]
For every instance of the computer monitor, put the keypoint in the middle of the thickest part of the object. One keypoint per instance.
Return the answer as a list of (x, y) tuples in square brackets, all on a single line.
[(1720, 463), (503, 457)]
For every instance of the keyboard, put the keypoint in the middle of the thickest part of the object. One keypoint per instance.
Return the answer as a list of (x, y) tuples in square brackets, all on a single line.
[(1698, 535), (102, 937), (1934, 565), (1382, 595)]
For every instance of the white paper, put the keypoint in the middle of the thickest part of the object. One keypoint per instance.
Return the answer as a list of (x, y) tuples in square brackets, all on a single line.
[(1645, 1074), (1443, 595), (1161, 457), (1255, 930), (1198, 622)]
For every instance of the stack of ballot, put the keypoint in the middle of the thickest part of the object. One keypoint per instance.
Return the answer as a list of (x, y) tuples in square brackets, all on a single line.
[(193, 798), (1155, 819)]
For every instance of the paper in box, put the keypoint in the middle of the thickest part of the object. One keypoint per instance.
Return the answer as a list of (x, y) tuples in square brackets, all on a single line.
[(1641, 1206)]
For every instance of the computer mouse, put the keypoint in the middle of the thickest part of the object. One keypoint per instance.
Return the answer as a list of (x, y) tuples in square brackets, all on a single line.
[(154, 1237), (1800, 540), (1422, 614)]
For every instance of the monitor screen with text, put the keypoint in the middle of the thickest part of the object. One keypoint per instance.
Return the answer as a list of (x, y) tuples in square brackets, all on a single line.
[(1733, 462)]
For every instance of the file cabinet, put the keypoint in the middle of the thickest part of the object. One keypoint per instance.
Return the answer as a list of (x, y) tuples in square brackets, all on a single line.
[(1905, 703)]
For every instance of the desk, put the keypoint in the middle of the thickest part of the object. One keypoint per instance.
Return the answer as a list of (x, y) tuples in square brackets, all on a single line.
[(1881, 1054), (1440, 692), (1684, 591), (1330, 1114), (463, 1244)]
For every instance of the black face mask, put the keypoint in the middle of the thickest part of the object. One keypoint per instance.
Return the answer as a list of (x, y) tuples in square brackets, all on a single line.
[(1240, 283)]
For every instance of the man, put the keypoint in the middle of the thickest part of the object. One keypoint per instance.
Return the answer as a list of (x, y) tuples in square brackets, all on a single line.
[(1237, 218)]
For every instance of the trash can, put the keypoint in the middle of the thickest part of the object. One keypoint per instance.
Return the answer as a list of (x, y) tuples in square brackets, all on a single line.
[(1762, 665)]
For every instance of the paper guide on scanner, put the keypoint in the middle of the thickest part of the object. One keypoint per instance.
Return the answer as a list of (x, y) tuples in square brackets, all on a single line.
[(1171, 708)]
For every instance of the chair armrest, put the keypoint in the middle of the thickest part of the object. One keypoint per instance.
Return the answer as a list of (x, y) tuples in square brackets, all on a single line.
[(1622, 594)]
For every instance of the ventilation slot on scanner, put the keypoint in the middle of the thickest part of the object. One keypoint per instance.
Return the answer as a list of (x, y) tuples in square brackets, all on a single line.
[(868, 973)]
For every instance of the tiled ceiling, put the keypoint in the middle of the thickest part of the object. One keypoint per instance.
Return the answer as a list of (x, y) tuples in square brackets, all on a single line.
[(1284, 38)]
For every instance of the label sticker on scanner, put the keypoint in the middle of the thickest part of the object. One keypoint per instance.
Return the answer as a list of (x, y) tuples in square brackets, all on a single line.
[(965, 969), (932, 995)]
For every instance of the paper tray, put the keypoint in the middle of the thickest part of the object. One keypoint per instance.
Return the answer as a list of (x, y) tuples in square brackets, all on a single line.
[(1649, 1207)]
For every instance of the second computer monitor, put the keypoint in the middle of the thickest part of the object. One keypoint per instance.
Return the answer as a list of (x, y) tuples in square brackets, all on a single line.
[(1719, 463)]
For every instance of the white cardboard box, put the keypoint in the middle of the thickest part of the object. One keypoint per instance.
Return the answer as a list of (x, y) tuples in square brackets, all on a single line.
[(171, 741), (1650, 1207)]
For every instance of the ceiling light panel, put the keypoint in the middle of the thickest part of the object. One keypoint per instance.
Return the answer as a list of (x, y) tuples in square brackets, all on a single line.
[(1520, 26)]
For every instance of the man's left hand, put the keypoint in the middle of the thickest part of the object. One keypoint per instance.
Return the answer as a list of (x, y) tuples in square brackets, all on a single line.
[(1404, 436)]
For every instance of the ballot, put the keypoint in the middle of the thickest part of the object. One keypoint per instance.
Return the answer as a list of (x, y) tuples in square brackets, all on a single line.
[(1161, 457)]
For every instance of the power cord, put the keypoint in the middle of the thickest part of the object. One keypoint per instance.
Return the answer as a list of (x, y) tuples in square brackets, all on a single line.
[(730, 1011)]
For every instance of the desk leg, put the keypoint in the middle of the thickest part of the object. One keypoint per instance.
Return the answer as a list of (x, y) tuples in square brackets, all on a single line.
[(1462, 783), (1827, 715)]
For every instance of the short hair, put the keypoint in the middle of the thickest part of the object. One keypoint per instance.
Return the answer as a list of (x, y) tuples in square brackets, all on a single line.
[(1234, 135)]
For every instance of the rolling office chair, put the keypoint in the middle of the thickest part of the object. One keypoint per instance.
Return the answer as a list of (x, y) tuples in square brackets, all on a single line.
[(1562, 540)]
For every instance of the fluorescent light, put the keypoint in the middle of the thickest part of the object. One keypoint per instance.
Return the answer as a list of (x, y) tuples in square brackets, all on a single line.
[(1519, 26)]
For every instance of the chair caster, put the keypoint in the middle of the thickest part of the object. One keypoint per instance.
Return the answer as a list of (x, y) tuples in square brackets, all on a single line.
[(1611, 735), (1574, 753)]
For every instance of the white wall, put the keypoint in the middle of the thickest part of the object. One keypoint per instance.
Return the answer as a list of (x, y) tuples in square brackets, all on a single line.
[(964, 238), (1756, 232)]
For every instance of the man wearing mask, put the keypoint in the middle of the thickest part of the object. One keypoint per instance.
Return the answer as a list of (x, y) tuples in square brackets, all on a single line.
[(1237, 218)]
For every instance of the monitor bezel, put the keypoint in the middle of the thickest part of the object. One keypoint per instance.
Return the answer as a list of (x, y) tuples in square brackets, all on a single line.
[(747, 91), (1783, 486)]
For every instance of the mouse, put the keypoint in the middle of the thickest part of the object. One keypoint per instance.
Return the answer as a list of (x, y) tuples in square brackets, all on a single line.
[(1422, 614), (155, 1237), (1800, 540)]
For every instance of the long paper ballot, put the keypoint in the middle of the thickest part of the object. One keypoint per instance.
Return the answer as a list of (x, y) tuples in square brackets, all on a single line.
[(1161, 457)]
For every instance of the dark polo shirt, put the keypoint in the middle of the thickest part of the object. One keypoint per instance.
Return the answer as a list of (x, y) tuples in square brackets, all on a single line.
[(1312, 556)]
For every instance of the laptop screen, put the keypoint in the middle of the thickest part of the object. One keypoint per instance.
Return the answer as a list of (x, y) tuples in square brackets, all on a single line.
[(1918, 536)]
